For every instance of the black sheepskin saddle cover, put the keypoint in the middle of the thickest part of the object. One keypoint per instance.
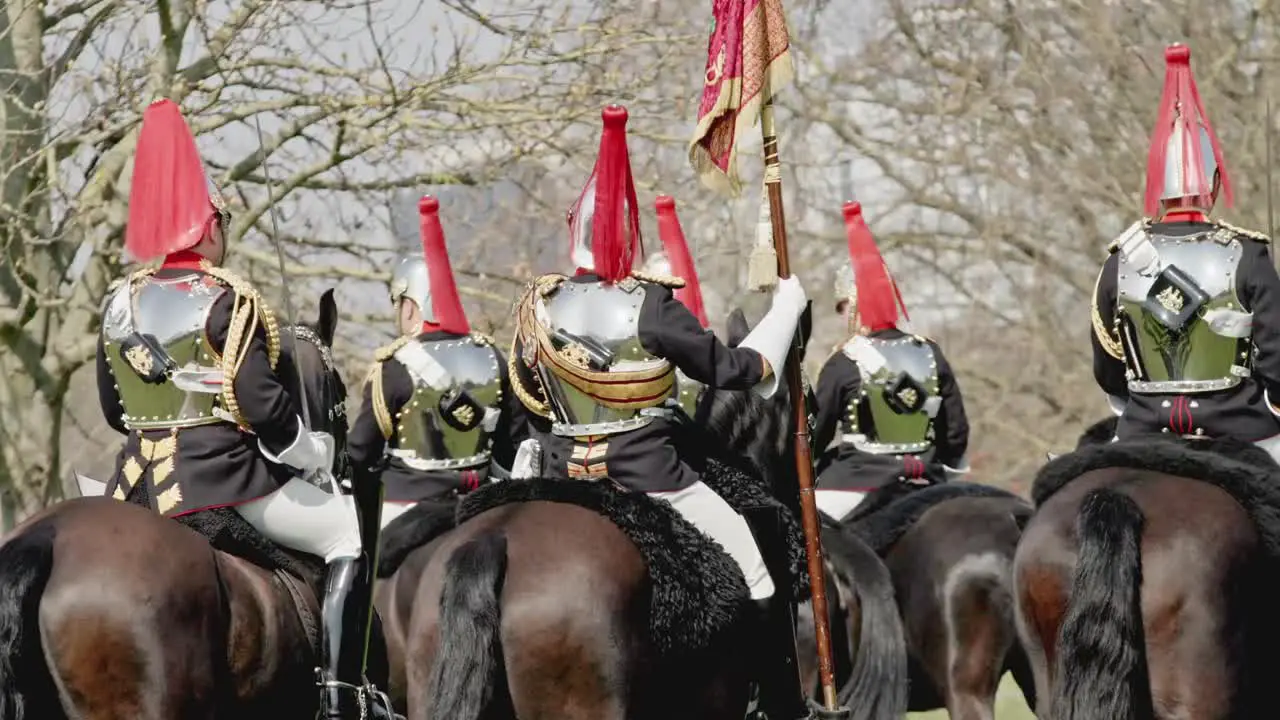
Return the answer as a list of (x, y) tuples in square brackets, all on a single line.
[(698, 590), (1240, 468), (416, 527), (882, 518)]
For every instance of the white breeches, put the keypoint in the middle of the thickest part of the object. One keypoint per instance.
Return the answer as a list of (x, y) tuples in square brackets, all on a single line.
[(302, 517), (393, 510), (838, 503), (708, 512)]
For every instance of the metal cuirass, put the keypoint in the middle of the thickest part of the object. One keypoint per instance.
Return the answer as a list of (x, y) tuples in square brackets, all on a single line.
[(1182, 327), (899, 397), (598, 378), (457, 400), (164, 367)]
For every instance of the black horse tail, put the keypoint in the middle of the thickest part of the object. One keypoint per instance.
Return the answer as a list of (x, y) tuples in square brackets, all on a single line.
[(469, 667), (27, 691), (877, 688), (1102, 660)]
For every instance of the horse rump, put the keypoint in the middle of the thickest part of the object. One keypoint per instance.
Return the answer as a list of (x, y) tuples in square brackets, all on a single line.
[(27, 691), (469, 666), (1102, 664)]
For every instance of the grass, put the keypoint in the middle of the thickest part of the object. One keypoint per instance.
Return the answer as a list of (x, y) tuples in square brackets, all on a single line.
[(1009, 705)]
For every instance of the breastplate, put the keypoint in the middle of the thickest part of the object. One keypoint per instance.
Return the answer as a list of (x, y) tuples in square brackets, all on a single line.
[(449, 424), (1181, 324), (156, 324), (599, 379), (899, 399)]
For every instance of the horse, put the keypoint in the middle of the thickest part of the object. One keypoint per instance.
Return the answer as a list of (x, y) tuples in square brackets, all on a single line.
[(949, 551), (1146, 578), (109, 610), (545, 609)]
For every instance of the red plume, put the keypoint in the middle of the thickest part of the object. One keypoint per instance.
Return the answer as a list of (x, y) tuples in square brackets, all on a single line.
[(678, 253), (450, 316), (1181, 107), (170, 203), (615, 219), (878, 300)]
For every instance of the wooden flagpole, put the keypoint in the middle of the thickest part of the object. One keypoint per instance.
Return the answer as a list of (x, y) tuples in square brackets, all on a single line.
[(800, 420)]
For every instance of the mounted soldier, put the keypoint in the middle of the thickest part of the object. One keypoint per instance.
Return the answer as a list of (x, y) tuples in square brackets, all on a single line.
[(437, 404), (890, 393), (187, 372), (597, 356), (675, 261), (1186, 325)]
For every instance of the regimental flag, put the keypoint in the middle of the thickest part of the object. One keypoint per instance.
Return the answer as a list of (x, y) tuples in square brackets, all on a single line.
[(748, 60)]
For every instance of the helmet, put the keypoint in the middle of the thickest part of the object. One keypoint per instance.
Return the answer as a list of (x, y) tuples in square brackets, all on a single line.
[(868, 283), (172, 203), (1184, 164), (427, 279), (604, 225)]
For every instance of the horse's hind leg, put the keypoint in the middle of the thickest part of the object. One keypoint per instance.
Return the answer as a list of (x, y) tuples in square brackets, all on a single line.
[(979, 624)]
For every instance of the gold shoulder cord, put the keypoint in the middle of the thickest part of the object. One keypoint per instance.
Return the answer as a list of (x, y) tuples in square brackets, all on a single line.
[(246, 311), (381, 413), (1109, 342), (379, 399), (524, 316)]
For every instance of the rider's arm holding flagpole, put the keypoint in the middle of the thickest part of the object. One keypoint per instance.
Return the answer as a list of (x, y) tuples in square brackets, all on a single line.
[(1108, 353), (669, 329)]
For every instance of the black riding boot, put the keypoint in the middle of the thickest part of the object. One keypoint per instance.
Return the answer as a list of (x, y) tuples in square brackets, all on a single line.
[(777, 671), (345, 616)]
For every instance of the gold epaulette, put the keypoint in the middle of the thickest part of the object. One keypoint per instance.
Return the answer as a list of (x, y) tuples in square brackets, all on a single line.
[(544, 285), (385, 352), (1242, 232), (669, 281), (247, 311), (482, 339)]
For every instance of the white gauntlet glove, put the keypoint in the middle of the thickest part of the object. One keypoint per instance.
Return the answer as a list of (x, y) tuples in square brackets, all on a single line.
[(528, 460), (309, 452), (773, 335)]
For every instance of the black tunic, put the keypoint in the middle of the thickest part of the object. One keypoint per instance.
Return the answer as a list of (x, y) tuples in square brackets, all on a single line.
[(1240, 411), (646, 459), (839, 384), (367, 445), (213, 465)]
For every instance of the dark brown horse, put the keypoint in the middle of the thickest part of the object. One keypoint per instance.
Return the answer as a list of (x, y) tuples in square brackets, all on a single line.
[(541, 610), (949, 550), (110, 611), (1147, 580)]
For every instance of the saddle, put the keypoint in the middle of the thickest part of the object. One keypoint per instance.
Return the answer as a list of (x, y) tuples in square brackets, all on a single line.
[(698, 591), (1240, 468)]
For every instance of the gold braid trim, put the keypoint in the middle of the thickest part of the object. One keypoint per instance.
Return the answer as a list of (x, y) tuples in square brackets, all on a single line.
[(381, 413), (670, 281), (1110, 343), (482, 339), (247, 311), (1251, 234), (385, 352), (523, 333)]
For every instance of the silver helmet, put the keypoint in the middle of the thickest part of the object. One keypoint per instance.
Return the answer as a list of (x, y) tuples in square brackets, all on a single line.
[(1180, 179), (411, 280)]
